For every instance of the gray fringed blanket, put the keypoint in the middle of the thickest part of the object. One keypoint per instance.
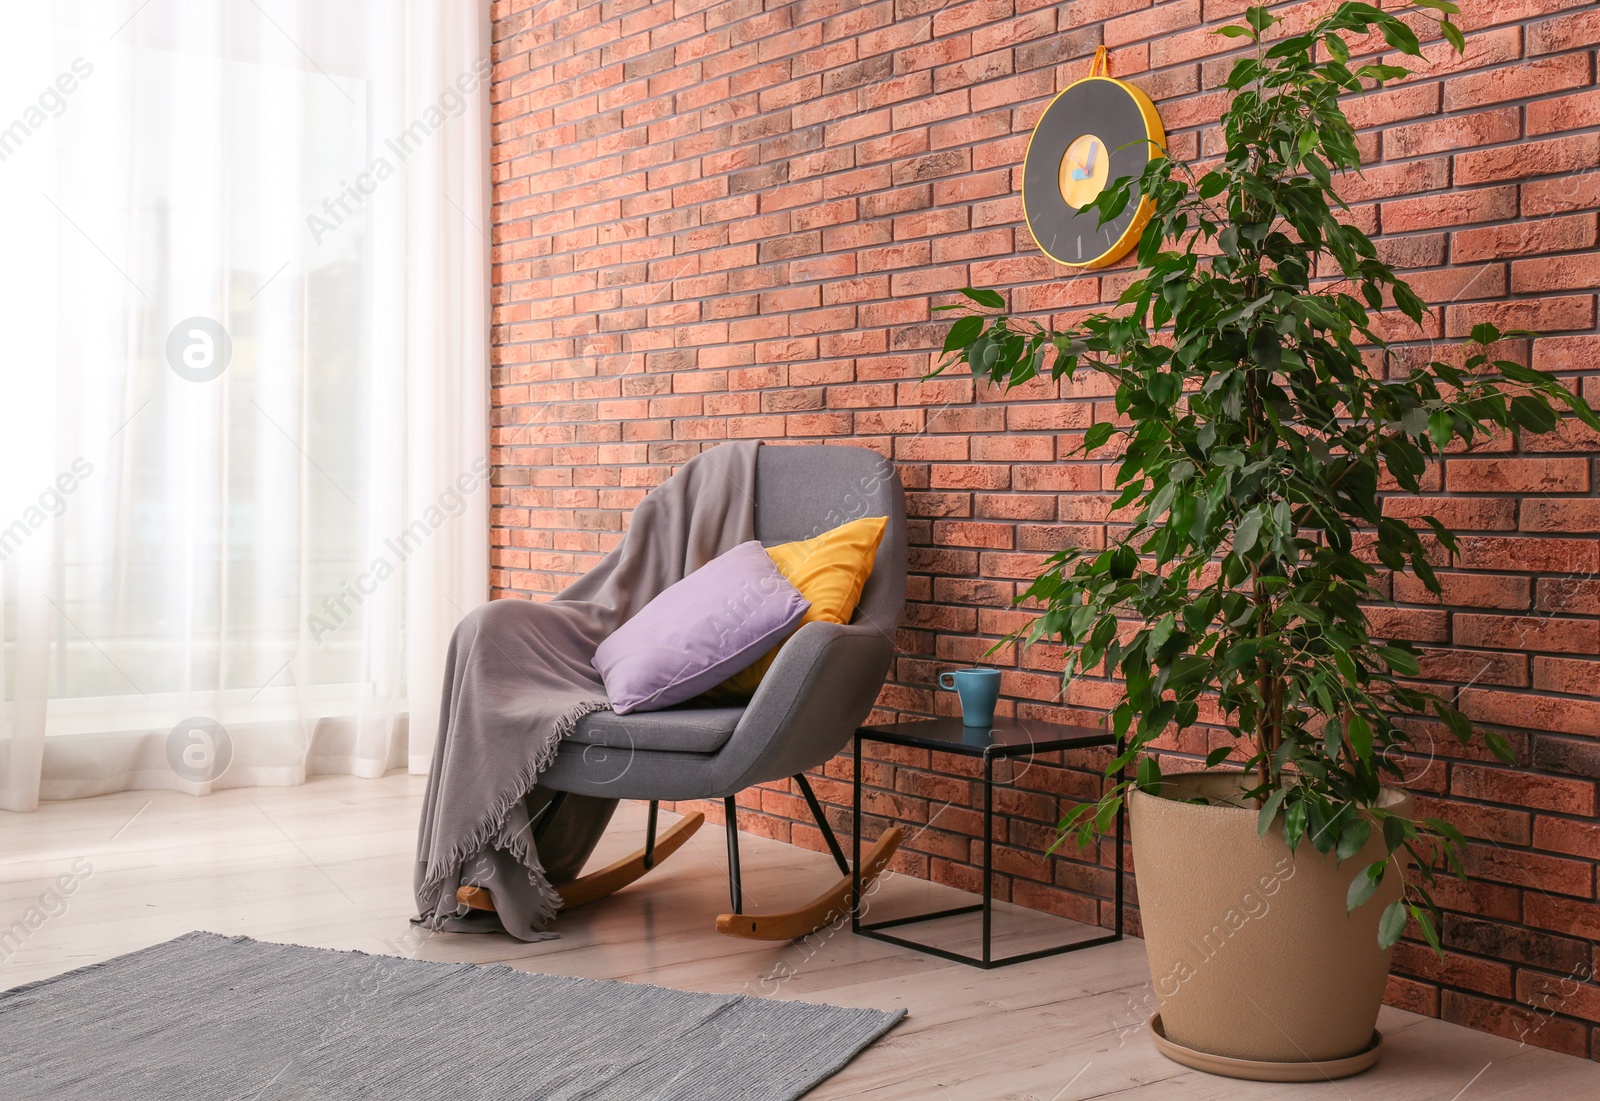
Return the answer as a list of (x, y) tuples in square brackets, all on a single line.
[(518, 679)]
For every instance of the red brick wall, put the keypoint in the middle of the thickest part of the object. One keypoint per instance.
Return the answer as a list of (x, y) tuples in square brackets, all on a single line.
[(720, 221)]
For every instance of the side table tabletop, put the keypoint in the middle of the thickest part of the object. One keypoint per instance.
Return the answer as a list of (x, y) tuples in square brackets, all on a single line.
[(1007, 739)]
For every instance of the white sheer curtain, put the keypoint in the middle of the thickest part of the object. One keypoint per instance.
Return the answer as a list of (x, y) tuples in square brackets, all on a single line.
[(243, 423)]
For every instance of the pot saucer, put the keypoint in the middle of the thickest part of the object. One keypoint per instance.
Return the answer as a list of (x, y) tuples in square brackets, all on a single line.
[(1256, 1070)]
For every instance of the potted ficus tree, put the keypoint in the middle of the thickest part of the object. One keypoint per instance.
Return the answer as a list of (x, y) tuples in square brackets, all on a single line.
[(1259, 416)]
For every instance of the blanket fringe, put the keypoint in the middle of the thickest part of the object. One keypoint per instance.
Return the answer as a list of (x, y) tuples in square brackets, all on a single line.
[(493, 827)]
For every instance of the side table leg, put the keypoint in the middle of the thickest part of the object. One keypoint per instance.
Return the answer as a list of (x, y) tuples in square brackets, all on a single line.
[(855, 840), (1122, 816), (988, 856)]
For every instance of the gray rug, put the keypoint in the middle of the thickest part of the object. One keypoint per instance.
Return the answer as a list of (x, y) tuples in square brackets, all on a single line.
[(207, 1017)]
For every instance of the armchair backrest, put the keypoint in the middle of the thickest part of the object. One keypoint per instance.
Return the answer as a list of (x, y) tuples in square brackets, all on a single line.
[(805, 490)]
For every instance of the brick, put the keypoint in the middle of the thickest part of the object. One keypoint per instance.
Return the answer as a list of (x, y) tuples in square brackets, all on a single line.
[(1556, 273), (1472, 590), (1561, 514), (1482, 204), (1486, 552), (1528, 159), (1535, 314), (1551, 874), (1499, 785), (1456, 132), (1568, 594), (1499, 940), (1561, 716), (1564, 193), (1515, 1022), (1456, 513), (1555, 234), (1539, 77), (1410, 995), (1380, 108), (1454, 969), (1521, 632), (1474, 667), (1501, 825), (1516, 475), (1568, 756), (1561, 835), (1563, 113), (1570, 675), (1565, 32)]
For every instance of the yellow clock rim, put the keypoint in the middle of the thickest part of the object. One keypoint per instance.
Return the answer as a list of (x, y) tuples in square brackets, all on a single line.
[(1153, 131)]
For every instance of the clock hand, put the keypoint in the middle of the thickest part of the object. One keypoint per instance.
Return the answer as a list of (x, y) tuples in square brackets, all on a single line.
[(1088, 165)]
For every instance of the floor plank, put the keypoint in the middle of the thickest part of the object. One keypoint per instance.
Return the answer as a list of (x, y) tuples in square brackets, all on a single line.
[(329, 864)]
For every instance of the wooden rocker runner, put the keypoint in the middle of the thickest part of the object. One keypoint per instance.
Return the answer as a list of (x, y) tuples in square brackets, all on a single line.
[(831, 906), (820, 687)]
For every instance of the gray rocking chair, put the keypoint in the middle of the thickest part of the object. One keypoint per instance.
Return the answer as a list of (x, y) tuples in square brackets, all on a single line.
[(819, 689)]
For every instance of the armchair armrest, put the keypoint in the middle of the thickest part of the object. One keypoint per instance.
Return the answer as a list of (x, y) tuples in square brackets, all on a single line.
[(819, 689)]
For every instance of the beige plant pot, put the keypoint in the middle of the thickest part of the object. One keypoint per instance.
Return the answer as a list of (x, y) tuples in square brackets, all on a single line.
[(1258, 969)]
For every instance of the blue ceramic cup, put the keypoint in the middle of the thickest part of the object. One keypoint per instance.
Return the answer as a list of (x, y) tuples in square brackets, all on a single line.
[(978, 689)]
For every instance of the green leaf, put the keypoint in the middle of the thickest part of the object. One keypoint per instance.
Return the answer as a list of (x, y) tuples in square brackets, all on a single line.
[(1149, 775), (962, 333), (1269, 810), (1441, 428), (1346, 666), (1244, 537), (985, 297), (1354, 838), (1395, 832), (1429, 932), (1360, 735), (1106, 813), (1533, 413), (1401, 37), (1447, 831), (1453, 35), (1392, 924), (1484, 333), (1401, 661), (1365, 884), (1097, 435), (1218, 755), (1294, 824)]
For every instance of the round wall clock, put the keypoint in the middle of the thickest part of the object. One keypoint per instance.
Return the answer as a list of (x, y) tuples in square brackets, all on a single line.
[(1095, 131)]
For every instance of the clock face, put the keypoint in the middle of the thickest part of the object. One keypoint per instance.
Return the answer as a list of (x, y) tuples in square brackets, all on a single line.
[(1085, 167), (1096, 131)]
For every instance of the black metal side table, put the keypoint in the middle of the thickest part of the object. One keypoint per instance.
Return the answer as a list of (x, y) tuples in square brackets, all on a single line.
[(1008, 739)]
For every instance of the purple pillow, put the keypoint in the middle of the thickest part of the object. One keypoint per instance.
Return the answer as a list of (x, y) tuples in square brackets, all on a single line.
[(700, 631)]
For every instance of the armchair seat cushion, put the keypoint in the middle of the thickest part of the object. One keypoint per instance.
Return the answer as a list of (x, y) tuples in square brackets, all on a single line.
[(675, 730)]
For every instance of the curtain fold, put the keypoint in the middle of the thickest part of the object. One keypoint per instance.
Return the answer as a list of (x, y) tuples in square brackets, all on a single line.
[(244, 428)]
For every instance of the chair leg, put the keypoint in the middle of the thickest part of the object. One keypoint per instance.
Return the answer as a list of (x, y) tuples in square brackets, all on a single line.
[(606, 881), (547, 816), (730, 811), (650, 837), (822, 823)]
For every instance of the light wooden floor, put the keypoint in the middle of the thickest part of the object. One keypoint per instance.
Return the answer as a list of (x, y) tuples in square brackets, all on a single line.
[(329, 864)]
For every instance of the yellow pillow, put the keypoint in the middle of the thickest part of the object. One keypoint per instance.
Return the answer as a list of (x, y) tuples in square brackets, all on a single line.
[(830, 570)]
